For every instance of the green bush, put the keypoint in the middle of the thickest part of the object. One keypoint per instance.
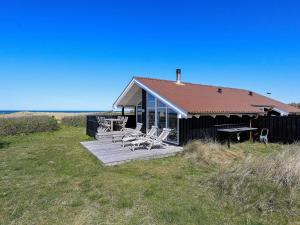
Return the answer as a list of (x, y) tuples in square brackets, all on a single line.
[(26, 125), (74, 121)]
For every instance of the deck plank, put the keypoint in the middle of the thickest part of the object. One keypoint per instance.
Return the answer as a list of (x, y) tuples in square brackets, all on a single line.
[(110, 153)]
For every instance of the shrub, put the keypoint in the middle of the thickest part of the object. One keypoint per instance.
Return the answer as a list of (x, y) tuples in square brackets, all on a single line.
[(26, 125), (74, 121)]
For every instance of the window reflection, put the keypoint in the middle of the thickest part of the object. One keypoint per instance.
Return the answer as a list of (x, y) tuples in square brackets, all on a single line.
[(139, 112), (150, 111), (150, 101), (161, 119), (172, 124), (151, 118), (162, 116)]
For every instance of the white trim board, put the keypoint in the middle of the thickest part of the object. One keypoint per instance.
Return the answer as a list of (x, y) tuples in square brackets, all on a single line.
[(125, 91), (182, 113), (282, 112)]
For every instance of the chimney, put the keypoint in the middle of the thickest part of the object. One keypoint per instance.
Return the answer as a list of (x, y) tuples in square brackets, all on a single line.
[(220, 90), (178, 76)]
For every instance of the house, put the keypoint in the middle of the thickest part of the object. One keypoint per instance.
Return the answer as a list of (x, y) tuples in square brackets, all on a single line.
[(192, 110)]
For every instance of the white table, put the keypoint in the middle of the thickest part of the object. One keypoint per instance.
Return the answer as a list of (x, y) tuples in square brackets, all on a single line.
[(112, 123)]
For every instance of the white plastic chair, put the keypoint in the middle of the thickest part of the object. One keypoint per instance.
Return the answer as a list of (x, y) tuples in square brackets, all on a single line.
[(264, 136), (131, 137), (123, 123), (127, 131), (104, 126), (150, 142)]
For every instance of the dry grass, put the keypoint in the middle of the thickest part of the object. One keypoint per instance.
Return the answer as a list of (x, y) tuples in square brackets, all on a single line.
[(56, 115), (48, 178), (251, 176), (210, 153), (281, 167), (268, 182)]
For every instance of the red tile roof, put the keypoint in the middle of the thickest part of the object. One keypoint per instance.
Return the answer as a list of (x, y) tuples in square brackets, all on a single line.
[(205, 99)]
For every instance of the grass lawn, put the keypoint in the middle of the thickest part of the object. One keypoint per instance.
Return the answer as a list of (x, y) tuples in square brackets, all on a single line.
[(48, 178)]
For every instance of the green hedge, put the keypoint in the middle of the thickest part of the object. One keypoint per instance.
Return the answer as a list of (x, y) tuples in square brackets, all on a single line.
[(26, 125), (74, 121)]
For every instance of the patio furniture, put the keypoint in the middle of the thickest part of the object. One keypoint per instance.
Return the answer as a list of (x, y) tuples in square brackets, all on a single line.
[(111, 121), (103, 124), (150, 142), (119, 135), (121, 119), (131, 137), (235, 131), (264, 136), (123, 123)]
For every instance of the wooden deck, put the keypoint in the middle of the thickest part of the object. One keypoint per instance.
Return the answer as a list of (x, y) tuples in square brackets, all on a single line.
[(112, 153)]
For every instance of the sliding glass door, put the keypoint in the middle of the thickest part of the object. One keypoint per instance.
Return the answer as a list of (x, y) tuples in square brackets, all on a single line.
[(139, 113), (162, 116), (173, 125), (151, 105)]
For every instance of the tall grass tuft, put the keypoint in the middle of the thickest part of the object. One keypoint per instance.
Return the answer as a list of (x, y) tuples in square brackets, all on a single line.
[(208, 152), (268, 182), (26, 125)]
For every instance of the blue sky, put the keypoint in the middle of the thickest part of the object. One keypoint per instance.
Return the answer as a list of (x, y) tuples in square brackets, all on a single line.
[(79, 55)]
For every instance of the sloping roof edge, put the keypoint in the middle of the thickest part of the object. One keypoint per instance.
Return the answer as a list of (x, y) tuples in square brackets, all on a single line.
[(145, 87), (184, 112)]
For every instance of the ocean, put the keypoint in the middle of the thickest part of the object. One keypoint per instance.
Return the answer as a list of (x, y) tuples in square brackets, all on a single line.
[(52, 111)]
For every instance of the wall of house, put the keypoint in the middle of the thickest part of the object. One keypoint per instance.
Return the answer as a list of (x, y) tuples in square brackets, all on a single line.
[(205, 127), (284, 129)]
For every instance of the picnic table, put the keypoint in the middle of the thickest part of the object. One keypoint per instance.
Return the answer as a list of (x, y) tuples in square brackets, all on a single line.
[(112, 120), (234, 131)]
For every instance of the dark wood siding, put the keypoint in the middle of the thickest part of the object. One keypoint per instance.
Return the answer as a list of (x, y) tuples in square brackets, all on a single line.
[(205, 127), (91, 126), (285, 129)]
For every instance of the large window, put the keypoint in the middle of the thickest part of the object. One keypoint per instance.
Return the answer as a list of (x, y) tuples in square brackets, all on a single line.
[(173, 124), (151, 103), (139, 113), (162, 116)]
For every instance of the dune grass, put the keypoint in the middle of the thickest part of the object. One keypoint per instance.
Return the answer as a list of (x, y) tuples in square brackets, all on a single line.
[(48, 178)]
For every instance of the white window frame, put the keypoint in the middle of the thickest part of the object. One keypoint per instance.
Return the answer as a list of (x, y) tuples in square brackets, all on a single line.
[(155, 115), (136, 113), (147, 112), (167, 121)]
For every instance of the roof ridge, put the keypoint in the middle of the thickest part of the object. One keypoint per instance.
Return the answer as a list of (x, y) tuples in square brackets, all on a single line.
[(200, 98), (190, 83)]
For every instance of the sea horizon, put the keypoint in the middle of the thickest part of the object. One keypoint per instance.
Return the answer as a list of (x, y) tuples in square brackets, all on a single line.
[(54, 111)]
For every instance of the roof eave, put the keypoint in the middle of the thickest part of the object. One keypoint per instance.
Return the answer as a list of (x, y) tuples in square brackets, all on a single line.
[(183, 113), (129, 85), (227, 114)]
